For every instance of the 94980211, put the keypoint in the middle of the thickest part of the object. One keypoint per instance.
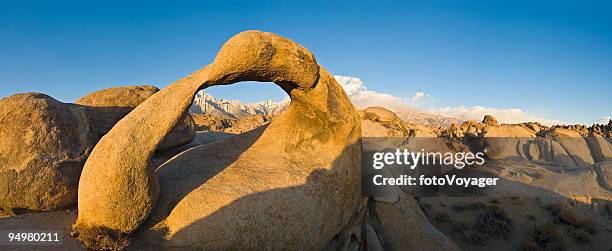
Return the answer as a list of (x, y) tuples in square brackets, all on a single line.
[(9, 237)]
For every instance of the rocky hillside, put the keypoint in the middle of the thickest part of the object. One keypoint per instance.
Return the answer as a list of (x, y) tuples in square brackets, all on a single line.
[(554, 194), (555, 179)]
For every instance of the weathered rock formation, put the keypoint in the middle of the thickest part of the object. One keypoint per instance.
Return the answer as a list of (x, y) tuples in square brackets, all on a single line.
[(108, 106), (291, 185), (490, 120), (403, 226), (393, 220), (505, 141), (43, 145), (380, 122), (112, 104), (601, 148)]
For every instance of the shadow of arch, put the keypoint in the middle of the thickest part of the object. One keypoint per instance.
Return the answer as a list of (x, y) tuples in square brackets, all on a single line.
[(191, 168), (299, 216), (62, 220)]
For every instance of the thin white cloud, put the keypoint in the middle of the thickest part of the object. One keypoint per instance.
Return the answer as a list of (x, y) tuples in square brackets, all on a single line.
[(420, 100), (362, 98), (419, 96), (604, 119)]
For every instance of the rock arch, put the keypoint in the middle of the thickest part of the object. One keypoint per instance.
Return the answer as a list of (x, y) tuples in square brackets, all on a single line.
[(310, 153)]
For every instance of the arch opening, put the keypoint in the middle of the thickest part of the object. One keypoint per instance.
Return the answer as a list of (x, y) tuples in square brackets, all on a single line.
[(238, 107)]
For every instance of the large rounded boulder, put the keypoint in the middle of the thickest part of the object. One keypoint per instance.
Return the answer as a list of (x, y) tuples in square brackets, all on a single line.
[(44, 143), (107, 106), (43, 146), (110, 105)]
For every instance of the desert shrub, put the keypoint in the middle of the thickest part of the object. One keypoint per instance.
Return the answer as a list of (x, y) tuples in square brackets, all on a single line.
[(476, 206), (544, 237), (579, 234), (102, 238), (529, 245), (426, 207), (458, 208), (538, 175), (493, 222), (590, 226), (459, 227), (472, 206), (441, 217), (531, 217), (517, 200), (474, 237)]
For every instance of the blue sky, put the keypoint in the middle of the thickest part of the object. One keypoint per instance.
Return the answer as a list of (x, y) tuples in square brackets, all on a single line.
[(550, 59)]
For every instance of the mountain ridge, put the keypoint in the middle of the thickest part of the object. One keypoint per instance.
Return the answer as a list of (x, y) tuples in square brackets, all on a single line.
[(204, 103)]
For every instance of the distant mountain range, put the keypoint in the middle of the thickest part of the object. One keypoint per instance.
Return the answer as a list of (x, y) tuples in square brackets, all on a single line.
[(421, 117), (205, 103)]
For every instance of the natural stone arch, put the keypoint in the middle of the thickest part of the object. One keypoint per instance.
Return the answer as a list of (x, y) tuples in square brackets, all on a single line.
[(118, 188)]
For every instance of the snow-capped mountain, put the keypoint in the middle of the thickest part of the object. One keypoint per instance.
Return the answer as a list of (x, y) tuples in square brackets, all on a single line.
[(204, 103)]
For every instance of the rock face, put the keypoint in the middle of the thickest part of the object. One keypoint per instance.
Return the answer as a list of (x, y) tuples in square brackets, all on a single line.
[(112, 104), (574, 145), (108, 106), (302, 168), (490, 120), (380, 122), (604, 171), (43, 145), (502, 142), (46, 142), (600, 148), (182, 133), (404, 226)]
